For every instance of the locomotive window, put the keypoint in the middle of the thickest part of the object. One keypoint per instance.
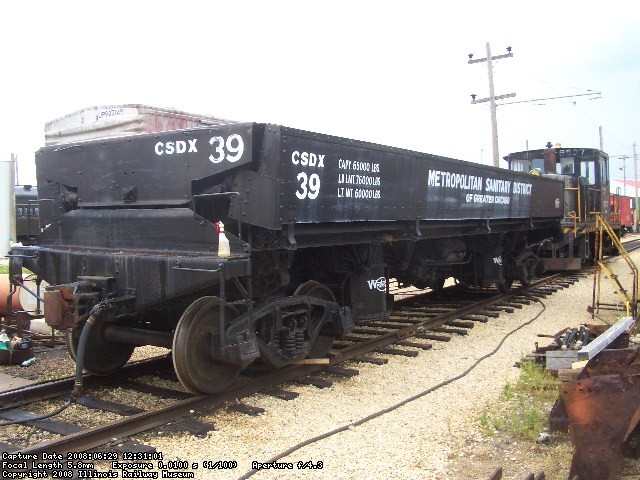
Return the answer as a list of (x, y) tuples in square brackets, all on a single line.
[(528, 165), (588, 171), (537, 164), (520, 165), (604, 170), (566, 166)]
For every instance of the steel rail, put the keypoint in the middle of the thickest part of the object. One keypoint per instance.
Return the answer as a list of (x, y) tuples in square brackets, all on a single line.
[(437, 321), (131, 425), (55, 388)]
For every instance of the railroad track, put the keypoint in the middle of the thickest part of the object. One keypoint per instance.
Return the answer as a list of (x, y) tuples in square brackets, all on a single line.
[(413, 324), (632, 245), (22, 396)]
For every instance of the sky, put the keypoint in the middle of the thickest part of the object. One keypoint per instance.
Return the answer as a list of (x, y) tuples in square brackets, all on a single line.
[(394, 73)]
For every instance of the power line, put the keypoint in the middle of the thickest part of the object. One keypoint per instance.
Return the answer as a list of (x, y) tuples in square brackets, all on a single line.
[(531, 72), (552, 98)]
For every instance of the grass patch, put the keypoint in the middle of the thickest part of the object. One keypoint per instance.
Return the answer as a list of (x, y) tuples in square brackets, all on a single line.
[(4, 270), (523, 407)]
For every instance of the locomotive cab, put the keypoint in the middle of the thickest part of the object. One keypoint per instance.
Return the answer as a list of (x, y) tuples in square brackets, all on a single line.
[(585, 172), (585, 168)]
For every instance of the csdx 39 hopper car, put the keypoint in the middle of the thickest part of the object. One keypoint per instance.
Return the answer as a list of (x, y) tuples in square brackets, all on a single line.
[(133, 248)]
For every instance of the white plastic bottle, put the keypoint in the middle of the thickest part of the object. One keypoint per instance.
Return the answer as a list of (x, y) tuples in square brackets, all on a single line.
[(224, 249), (4, 340)]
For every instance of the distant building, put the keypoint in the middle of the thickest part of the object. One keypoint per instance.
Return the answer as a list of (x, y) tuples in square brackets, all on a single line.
[(617, 186), (107, 121)]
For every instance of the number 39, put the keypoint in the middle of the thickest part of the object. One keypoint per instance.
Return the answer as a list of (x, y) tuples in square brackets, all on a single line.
[(313, 183), (234, 148)]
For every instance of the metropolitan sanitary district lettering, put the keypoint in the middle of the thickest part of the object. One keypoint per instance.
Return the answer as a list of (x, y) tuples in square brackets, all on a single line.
[(463, 181)]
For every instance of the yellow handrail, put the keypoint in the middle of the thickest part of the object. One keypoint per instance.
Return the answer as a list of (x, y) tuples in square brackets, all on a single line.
[(630, 301)]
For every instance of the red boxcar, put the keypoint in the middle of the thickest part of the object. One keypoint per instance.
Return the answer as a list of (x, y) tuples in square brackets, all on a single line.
[(622, 209)]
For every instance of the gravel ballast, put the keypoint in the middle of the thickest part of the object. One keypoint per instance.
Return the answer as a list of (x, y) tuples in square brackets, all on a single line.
[(421, 439), (418, 440)]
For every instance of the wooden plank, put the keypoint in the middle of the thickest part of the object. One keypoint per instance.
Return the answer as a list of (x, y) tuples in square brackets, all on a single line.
[(354, 338), (53, 426), (423, 346), (461, 323), (315, 381), (313, 361), (372, 360), (397, 351), (513, 305), (433, 336), (537, 294), (158, 391), (456, 331), (246, 409), (568, 374), (282, 394), (505, 308), (560, 359), (407, 319), (369, 331), (107, 406), (476, 318), (194, 427), (343, 372)]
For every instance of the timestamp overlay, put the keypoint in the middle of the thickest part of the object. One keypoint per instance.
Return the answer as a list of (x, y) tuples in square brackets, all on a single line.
[(154, 465)]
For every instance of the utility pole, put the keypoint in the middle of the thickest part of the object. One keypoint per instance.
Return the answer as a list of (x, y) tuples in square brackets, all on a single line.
[(492, 97), (12, 199), (635, 174), (601, 141), (5, 206), (624, 174)]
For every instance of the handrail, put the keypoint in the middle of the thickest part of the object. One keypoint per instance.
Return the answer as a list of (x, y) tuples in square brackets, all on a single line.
[(630, 301)]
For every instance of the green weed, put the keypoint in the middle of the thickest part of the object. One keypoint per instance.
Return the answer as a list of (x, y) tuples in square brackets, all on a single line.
[(507, 392), (536, 380), (523, 407)]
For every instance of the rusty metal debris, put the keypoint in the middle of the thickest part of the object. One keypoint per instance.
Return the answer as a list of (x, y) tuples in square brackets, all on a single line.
[(603, 409), (600, 395)]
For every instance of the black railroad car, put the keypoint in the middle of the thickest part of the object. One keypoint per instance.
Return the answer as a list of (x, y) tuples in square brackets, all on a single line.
[(316, 225), (26, 213)]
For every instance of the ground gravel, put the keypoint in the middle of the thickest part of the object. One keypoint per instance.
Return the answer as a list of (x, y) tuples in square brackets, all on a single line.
[(435, 437), (425, 439)]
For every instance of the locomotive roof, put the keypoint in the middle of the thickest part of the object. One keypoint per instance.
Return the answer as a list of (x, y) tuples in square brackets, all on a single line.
[(560, 152)]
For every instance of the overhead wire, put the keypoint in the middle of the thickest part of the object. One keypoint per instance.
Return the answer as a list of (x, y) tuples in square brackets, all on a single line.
[(553, 86)]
